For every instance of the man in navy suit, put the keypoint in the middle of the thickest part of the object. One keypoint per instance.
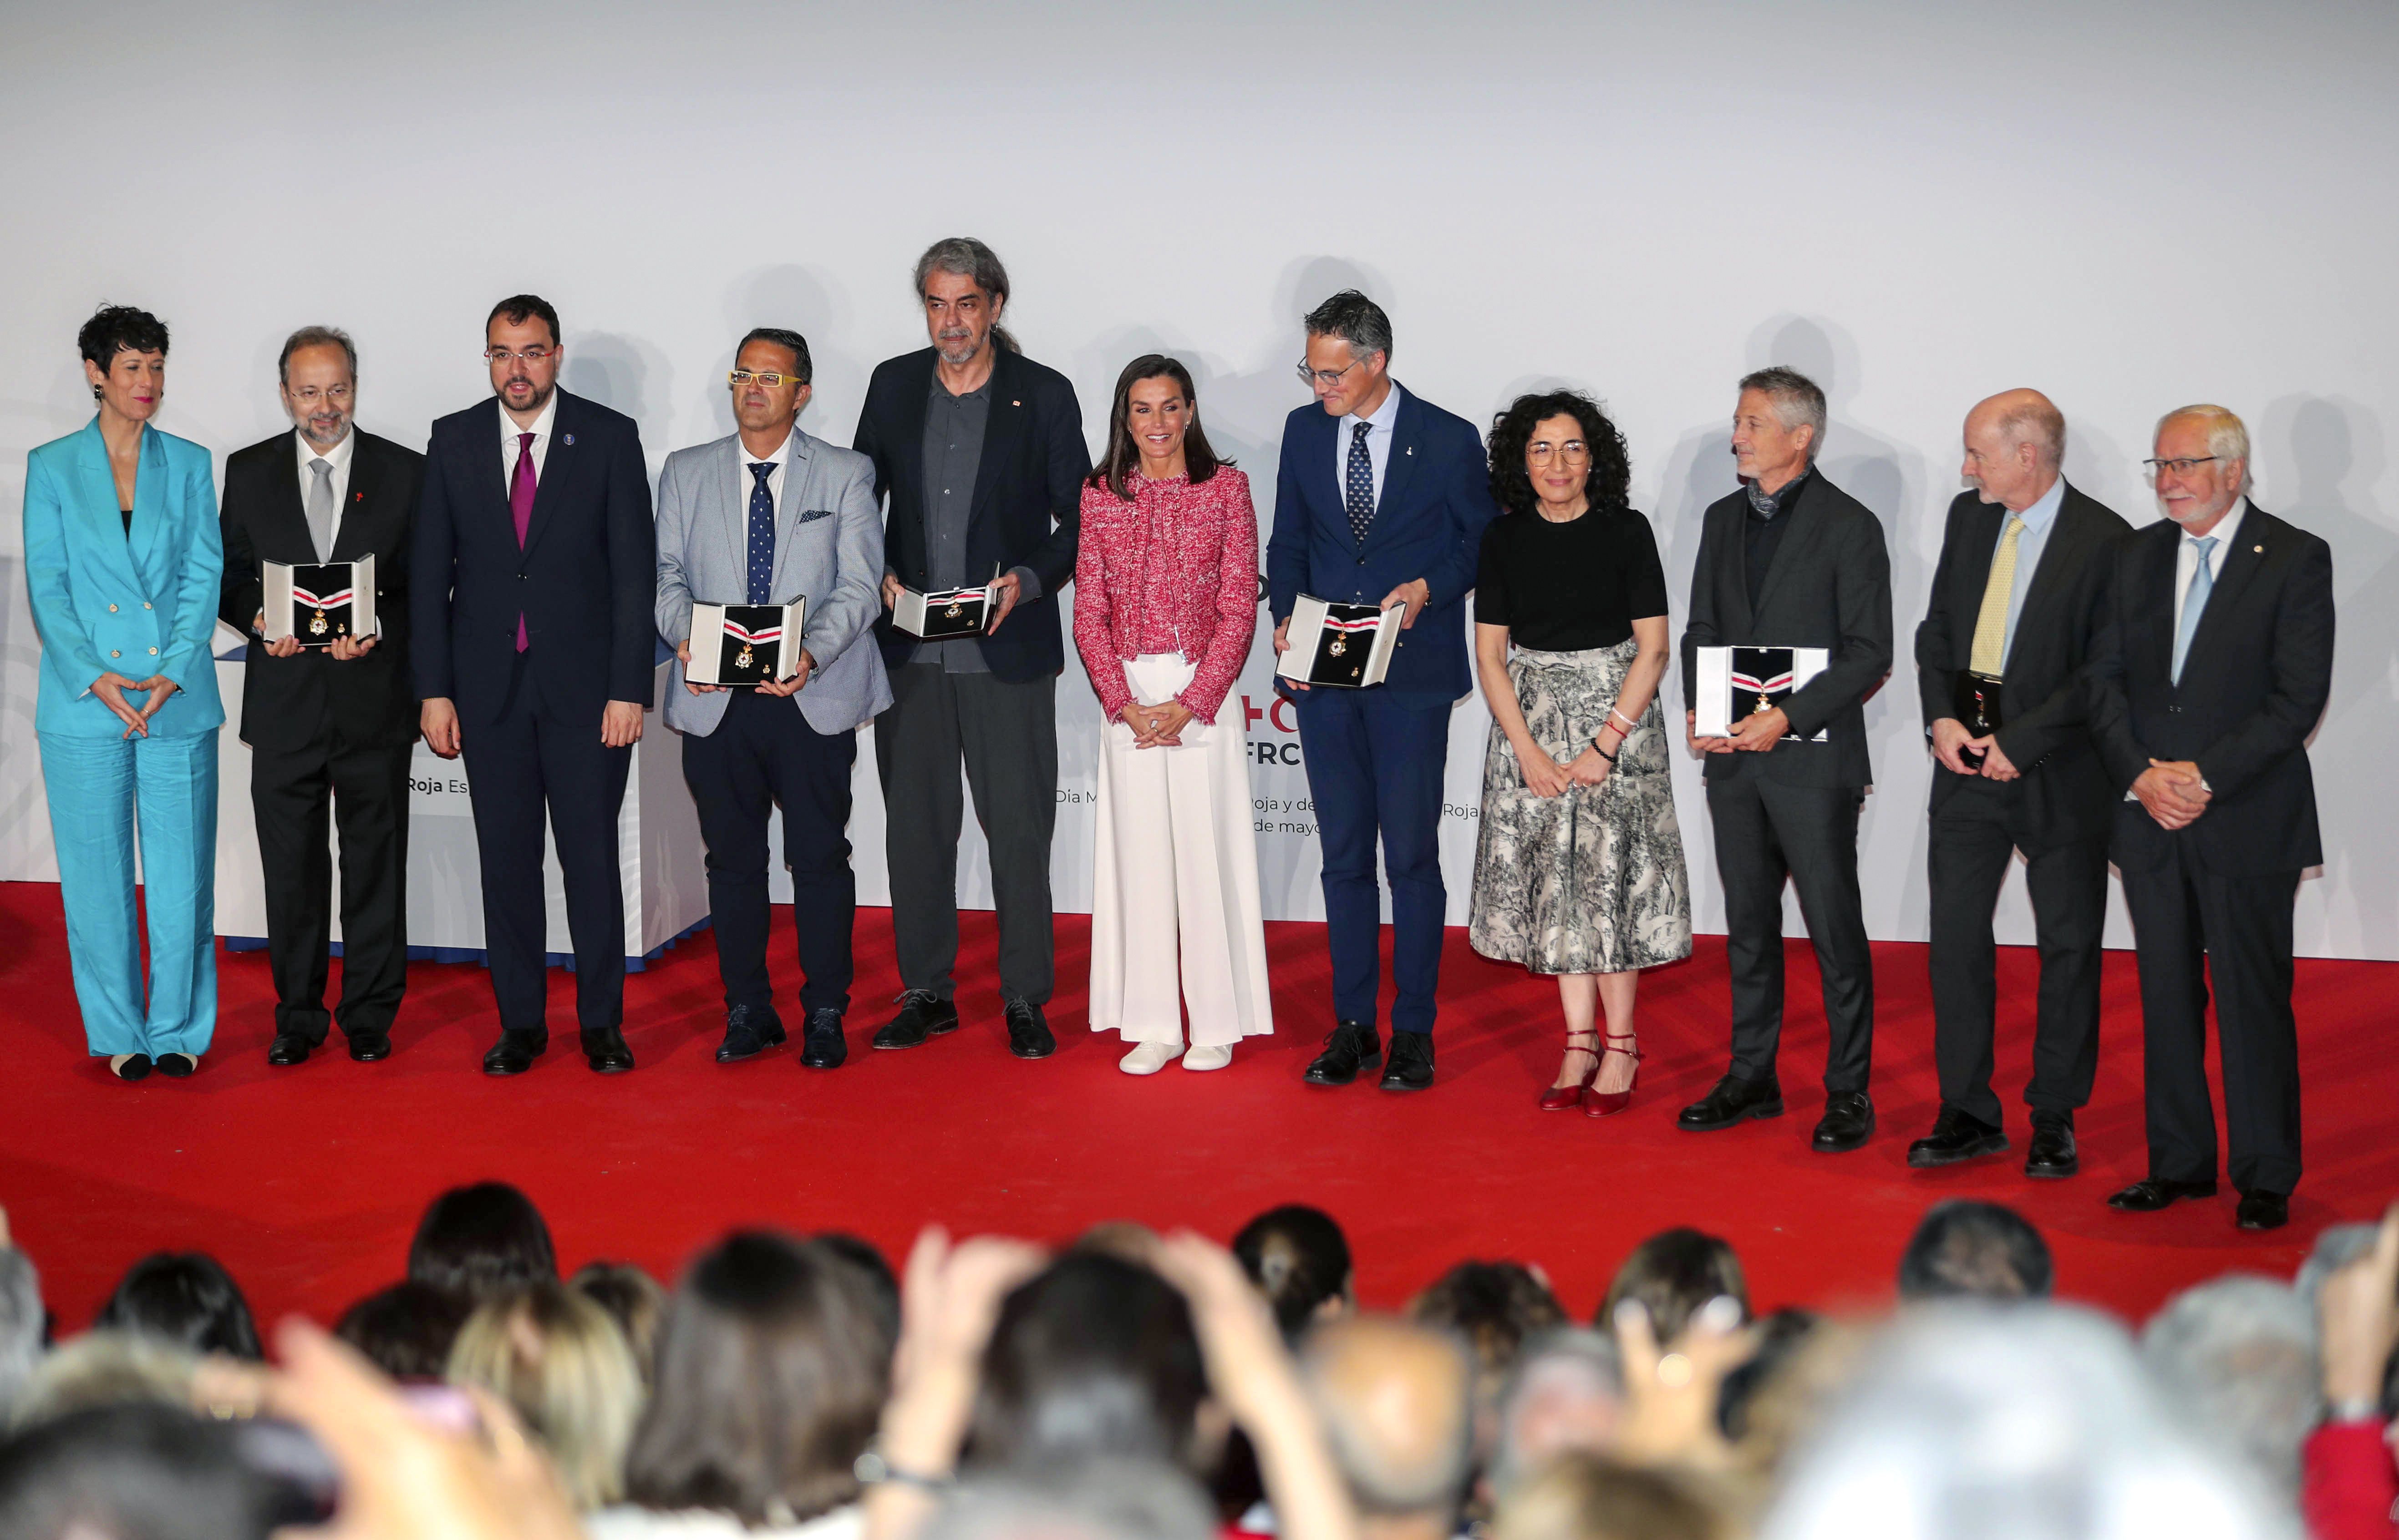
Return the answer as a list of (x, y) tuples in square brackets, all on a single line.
[(535, 569), (1381, 499)]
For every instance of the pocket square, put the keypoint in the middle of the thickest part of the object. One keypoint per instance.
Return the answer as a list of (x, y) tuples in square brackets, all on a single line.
[(813, 515)]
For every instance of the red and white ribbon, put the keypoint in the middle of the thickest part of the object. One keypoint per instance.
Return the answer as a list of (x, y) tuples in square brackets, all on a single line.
[(734, 630), (330, 600)]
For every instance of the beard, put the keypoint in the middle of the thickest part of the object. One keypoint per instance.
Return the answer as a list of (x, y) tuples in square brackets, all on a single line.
[(540, 394), (956, 348)]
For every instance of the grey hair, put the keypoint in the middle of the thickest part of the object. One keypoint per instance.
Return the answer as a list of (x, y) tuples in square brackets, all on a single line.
[(103, 1368), (2228, 436), (968, 258), (1571, 1360), (1797, 400), (2238, 1354), (1101, 1499), (20, 1324), (1354, 318), (1384, 1482), (2040, 423), (316, 336), (2335, 1249)]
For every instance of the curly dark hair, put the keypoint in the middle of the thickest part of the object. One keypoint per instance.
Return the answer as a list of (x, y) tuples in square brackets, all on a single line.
[(1608, 485), (116, 328)]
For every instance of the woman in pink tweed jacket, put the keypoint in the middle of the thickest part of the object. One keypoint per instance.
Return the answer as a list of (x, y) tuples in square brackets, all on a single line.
[(1166, 604)]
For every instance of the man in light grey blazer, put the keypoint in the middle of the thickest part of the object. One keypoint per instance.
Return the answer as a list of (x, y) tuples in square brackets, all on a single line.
[(766, 516)]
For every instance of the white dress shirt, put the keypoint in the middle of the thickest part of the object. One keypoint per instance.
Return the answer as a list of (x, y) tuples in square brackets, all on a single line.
[(339, 458), (1381, 424), (2186, 557), (780, 460), (509, 433)]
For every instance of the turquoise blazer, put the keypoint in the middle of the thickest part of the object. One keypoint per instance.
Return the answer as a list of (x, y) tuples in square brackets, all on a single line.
[(104, 601)]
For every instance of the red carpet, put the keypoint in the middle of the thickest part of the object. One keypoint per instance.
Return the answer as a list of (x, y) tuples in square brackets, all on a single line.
[(307, 1181)]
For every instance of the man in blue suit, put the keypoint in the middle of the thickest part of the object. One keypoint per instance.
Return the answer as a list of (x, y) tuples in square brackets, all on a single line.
[(1381, 499)]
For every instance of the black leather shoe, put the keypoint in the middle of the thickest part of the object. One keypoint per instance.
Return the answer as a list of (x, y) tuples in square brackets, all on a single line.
[(1955, 1136), (1349, 1047), (137, 1066), (288, 1049), (1410, 1068), (823, 1046), (2052, 1154), (1028, 1030), (748, 1034), (922, 1015), (176, 1066), (516, 1050), (608, 1052), (2263, 1210), (1849, 1122), (370, 1047), (1733, 1101), (2150, 1194)]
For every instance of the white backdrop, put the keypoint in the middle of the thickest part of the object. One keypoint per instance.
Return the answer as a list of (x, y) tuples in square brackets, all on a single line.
[(2128, 206)]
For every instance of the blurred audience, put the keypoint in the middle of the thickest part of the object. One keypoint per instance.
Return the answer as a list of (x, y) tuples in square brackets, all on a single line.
[(185, 1298), (1397, 1399), (1670, 1276), (1298, 1257), (1970, 1249), (482, 1243), (2237, 1355), (633, 1299), (557, 1358), (406, 1330)]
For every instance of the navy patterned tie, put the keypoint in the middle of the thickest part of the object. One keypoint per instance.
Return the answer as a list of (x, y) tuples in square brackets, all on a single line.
[(1360, 484), (762, 536)]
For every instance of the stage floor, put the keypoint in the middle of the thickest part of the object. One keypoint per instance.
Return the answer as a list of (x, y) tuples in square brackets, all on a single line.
[(307, 1181)]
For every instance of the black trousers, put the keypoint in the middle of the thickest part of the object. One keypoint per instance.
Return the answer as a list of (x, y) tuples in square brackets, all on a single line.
[(1767, 832), (1007, 736), (525, 762), (296, 794), (1976, 832), (2190, 926), (762, 753)]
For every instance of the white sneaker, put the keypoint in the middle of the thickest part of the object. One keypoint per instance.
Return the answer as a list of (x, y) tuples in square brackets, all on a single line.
[(1211, 1058), (1149, 1058)]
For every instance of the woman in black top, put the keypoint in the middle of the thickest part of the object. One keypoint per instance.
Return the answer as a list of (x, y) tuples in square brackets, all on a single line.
[(1579, 870)]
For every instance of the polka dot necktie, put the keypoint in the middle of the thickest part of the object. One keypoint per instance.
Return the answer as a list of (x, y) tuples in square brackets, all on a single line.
[(762, 536), (1360, 484)]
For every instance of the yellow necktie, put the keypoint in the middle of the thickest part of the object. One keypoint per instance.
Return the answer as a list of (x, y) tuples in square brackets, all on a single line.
[(1991, 622)]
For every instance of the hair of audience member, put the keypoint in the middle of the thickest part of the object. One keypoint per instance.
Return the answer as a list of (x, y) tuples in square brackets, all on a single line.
[(103, 1368), (882, 1282), (1782, 1336), (1566, 1392), (1107, 1498), (558, 1357), (482, 1242), (2033, 1421), (1585, 1496), (1396, 1397), (1094, 1356), (1495, 1307), (1983, 1250), (2238, 1355), (135, 1472), (186, 1298), (633, 1299), (1673, 1274), (773, 1364), (23, 1324), (1299, 1259), (406, 1329)]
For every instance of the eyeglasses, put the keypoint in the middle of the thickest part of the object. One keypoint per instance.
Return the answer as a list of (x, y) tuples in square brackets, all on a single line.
[(743, 377), (2180, 468), (1328, 378), (310, 395), (530, 355), (1574, 451)]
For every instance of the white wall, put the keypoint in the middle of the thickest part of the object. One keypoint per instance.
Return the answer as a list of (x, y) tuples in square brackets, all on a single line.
[(2128, 206)]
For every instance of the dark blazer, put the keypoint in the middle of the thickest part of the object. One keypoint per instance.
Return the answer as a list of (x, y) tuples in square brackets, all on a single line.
[(585, 581), (2254, 684), (1830, 587), (2045, 731), (289, 701), (1028, 497), (1429, 524)]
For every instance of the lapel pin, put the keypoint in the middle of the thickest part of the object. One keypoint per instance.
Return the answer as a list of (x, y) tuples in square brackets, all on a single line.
[(1016, 403), (568, 440), (2259, 550), (358, 497)]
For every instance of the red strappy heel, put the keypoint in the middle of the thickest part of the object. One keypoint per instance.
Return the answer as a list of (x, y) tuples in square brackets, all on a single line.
[(1598, 1104), (1566, 1099)]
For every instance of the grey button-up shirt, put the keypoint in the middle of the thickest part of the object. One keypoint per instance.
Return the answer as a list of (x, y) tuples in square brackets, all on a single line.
[(953, 432)]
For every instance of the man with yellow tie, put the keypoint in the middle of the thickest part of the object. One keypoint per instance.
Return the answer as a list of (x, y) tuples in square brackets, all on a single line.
[(2014, 610)]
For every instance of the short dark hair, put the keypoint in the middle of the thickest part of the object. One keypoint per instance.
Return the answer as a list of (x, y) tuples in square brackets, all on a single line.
[(521, 308), (116, 328), (1117, 465), (144, 1471), (633, 1299), (186, 1298), (1608, 482), (406, 1329), (1965, 1247), (482, 1242), (783, 338), (1356, 320), (1298, 1258), (1493, 1306), (1093, 1355), (1673, 1274), (315, 336), (883, 1284)]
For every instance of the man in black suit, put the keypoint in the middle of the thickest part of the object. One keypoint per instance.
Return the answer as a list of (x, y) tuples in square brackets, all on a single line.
[(2212, 669), (980, 452), (535, 572), (1791, 560), (329, 728), (1998, 663)]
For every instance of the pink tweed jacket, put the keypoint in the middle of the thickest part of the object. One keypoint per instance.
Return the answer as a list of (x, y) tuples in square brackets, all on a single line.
[(1174, 571)]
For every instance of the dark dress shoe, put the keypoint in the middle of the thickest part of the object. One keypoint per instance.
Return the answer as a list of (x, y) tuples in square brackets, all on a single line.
[(2263, 1210), (136, 1067), (2151, 1194), (1733, 1101), (1410, 1068), (175, 1066), (288, 1049), (1349, 1047), (515, 1052), (1849, 1122), (1028, 1030), (748, 1034), (2052, 1154), (1955, 1136), (922, 1015), (369, 1047), (823, 1046), (608, 1052)]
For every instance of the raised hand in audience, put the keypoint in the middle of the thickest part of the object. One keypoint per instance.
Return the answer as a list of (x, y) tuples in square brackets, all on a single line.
[(1671, 1390)]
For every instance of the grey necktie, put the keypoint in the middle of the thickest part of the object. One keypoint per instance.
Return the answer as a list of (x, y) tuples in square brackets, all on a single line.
[(320, 508)]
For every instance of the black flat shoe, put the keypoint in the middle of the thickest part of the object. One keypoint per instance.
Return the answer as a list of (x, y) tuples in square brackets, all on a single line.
[(1955, 1136), (2263, 1210), (288, 1049), (370, 1047), (1733, 1101), (515, 1052), (1410, 1068), (2150, 1194), (607, 1052), (748, 1034), (1028, 1030), (923, 1016), (1349, 1047), (176, 1066), (823, 1046), (130, 1066), (2052, 1156), (1848, 1123)]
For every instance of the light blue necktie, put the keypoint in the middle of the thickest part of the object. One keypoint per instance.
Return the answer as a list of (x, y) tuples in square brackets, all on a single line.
[(2194, 603)]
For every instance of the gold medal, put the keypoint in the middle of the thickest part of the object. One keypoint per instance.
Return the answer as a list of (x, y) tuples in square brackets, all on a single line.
[(317, 626), (1764, 705), (1340, 645), (742, 659), (955, 609)]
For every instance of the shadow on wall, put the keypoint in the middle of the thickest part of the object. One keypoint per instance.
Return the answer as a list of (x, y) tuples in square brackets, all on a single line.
[(615, 372)]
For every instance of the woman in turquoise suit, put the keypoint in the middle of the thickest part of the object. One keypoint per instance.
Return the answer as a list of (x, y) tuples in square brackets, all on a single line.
[(123, 563)]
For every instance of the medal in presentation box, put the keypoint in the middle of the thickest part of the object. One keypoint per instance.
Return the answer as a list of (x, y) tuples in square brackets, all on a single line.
[(1740, 682), (1344, 646), (320, 601), (1977, 701), (745, 643), (945, 612)]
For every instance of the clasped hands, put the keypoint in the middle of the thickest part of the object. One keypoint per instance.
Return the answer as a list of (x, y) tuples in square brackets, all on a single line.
[(1159, 726), (2173, 792), (1952, 743), (111, 687), (1755, 734), (790, 684), (1546, 778)]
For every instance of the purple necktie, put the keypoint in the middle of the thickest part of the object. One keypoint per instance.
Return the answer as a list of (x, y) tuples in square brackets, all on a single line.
[(520, 489)]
